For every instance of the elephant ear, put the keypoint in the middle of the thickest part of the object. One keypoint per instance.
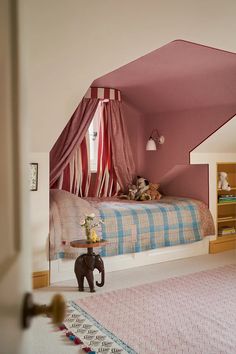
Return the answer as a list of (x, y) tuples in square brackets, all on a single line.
[(99, 263), (89, 261)]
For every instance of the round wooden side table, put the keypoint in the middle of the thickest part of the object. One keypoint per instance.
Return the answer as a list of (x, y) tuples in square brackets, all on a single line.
[(87, 262)]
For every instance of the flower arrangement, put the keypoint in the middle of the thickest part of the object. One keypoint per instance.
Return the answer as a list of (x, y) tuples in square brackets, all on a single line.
[(89, 224)]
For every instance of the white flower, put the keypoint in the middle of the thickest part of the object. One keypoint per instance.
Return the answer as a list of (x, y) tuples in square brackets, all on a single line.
[(82, 222), (92, 215)]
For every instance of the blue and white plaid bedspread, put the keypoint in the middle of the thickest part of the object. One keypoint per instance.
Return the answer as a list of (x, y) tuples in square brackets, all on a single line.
[(134, 227)]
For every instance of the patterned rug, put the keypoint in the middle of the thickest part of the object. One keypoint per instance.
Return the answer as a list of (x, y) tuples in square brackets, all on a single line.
[(189, 314)]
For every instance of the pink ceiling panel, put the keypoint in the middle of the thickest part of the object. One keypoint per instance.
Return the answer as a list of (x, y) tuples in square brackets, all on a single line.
[(180, 75)]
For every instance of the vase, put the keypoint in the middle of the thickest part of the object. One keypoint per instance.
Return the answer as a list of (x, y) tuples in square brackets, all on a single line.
[(88, 235)]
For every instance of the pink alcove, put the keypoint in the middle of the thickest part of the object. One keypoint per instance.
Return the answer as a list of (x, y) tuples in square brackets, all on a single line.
[(185, 90)]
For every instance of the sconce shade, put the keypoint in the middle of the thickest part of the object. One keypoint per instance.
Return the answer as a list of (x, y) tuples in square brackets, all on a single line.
[(155, 138), (151, 145)]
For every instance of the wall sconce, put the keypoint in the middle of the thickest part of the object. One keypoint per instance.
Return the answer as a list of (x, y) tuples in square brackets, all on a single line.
[(155, 138)]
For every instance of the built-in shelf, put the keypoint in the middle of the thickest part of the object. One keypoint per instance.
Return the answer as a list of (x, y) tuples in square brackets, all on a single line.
[(226, 217), (226, 220), (231, 189), (226, 203)]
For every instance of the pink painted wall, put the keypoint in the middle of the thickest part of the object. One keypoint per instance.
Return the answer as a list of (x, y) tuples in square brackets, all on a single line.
[(187, 181), (180, 179), (183, 131)]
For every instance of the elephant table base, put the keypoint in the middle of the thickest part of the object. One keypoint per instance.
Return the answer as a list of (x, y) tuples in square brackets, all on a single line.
[(86, 263)]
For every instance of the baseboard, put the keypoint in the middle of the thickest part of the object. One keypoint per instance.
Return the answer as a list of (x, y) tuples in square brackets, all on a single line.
[(63, 269), (40, 279)]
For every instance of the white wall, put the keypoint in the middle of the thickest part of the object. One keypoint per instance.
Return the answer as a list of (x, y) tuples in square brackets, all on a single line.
[(69, 43), (223, 140), (39, 213), (212, 159)]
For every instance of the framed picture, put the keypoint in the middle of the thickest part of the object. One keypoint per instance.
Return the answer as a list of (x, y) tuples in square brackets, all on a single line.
[(34, 176)]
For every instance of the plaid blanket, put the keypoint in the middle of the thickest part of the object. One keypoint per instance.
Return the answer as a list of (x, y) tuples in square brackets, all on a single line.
[(134, 227), (129, 226)]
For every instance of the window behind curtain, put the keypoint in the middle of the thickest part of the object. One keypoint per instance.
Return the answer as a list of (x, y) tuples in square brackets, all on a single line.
[(93, 140)]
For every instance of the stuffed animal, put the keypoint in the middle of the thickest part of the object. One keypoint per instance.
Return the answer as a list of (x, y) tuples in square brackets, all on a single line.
[(153, 191), (143, 186), (132, 190), (223, 182), (144, 196)]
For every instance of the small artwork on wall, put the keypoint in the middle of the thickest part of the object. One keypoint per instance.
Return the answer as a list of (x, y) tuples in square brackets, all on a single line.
[(33, 176)]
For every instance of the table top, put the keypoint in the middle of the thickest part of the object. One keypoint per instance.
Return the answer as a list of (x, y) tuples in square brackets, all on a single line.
[(85, 244)]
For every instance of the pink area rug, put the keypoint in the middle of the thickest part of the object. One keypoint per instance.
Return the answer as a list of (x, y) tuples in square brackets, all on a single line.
[(189, 314)]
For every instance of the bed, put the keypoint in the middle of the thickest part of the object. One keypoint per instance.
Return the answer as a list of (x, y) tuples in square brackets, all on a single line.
[(129, 227)]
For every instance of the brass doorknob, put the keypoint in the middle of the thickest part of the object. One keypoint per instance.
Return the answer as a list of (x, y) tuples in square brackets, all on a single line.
[(56, 310)]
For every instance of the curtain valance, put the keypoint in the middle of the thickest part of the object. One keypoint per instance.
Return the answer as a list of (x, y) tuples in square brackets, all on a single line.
[(103, 93)]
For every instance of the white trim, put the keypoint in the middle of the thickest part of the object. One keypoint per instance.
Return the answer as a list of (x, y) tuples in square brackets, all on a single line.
[(64, 269), (100, 92), (112, 94)]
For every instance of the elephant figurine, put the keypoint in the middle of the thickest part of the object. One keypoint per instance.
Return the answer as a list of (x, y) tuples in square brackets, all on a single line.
[(84, 267)]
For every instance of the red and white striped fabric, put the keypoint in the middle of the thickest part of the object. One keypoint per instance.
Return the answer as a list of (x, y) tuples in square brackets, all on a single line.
[(103, 93), (76, 176), (106, 184), (115, 161)]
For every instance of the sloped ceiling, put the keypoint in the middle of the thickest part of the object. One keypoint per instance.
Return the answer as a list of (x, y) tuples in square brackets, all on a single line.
[(178, 76)]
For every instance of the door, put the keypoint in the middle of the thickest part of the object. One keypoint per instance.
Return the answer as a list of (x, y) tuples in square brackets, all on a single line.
[(15, 262), (15, 248)]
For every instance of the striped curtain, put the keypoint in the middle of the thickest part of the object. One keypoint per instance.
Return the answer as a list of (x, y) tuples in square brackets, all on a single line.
[(71, 138), (70, 156), (75, 178), (106, 184), (115, 168)]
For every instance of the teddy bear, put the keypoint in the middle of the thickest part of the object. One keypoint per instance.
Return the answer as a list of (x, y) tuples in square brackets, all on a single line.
[(223, 182), (144, 196), (143, 186), (153, 191)]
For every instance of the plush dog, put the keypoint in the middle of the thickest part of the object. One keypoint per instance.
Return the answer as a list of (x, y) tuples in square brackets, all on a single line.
[(153, 191), (143, 186)]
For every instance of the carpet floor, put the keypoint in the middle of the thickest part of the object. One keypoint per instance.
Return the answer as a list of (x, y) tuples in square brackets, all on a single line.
[(195, 313)]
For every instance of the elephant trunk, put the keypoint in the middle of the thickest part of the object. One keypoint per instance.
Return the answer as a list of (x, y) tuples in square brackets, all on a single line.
[(102, 279)]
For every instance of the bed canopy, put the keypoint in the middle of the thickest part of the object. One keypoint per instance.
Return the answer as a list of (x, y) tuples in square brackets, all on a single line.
[(69, 157)]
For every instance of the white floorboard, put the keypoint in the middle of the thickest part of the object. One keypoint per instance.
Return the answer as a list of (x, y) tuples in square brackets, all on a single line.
[(45, 340)]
